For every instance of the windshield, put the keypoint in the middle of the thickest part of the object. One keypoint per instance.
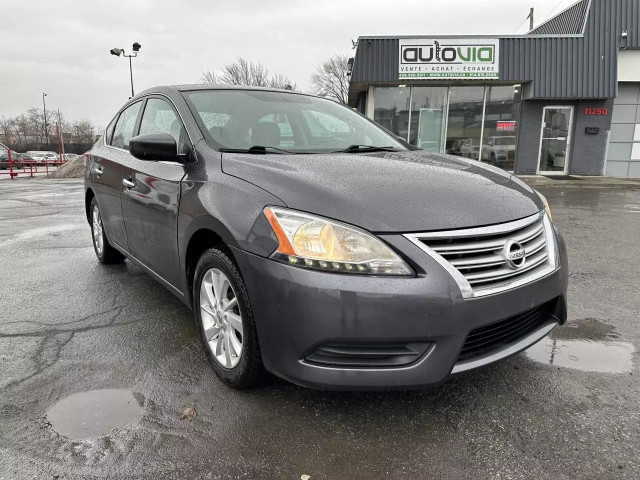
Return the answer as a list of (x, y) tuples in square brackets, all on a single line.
[(241, 119)]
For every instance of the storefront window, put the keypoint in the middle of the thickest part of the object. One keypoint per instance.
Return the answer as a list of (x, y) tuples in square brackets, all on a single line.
[(464, 123), (474, 121), (391, 109), (500, 126), (428, 106)]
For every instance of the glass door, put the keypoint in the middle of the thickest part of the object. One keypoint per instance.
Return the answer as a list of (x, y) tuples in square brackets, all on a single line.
[(555, 140), (430, 128), (428, 107), (464, 121)]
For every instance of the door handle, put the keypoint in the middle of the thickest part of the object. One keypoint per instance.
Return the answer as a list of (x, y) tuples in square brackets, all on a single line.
[(98, 170), (128, 183)]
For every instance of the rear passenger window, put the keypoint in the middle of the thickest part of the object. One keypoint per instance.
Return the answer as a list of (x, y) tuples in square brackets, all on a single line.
[(160, 117), (109, 131), (123, 130)]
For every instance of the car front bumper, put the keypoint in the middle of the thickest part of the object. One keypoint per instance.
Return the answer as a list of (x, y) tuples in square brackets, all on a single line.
[(297, 310)]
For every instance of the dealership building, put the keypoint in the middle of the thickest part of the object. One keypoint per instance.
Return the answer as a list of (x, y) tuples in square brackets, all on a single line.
[(563, 99)]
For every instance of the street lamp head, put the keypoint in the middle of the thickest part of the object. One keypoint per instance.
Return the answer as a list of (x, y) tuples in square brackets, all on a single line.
[(44, 94), (116, 51), (136, 47)]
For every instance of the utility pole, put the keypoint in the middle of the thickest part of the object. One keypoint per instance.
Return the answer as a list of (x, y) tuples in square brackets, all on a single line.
[(60, 132), (44, 106), (530, 17), (131, 74)]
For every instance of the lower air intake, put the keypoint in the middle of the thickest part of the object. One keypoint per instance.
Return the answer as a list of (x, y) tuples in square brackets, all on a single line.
[(483, 340), (380, 355)]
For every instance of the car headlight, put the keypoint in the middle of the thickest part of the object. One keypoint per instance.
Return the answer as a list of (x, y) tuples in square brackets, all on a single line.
[(546, 204), (309, 241)]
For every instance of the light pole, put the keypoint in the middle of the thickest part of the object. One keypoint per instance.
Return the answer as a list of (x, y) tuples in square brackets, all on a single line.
[(119, 51), (44, 106)]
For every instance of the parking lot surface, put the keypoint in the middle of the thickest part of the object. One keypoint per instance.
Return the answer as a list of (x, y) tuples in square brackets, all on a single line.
[(568, 408)]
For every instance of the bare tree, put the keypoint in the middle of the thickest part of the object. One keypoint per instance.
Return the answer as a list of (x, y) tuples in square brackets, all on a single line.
[(282, 81), (245, 72), (26, 131), (36, 126), (22, 129), (83, 131), (331, 80), (7, 127), (209, 77)]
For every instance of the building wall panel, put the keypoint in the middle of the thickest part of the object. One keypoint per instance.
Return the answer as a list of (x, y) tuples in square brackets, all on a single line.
[(575, 66)]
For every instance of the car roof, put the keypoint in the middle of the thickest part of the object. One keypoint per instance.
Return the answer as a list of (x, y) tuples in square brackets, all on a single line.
[(200, 86)]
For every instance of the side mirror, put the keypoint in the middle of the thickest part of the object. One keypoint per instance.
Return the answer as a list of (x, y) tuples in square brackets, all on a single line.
[(155, 146)]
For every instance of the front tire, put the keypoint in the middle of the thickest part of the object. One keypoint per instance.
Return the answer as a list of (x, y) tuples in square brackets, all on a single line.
[(225, 319), (104, 251)]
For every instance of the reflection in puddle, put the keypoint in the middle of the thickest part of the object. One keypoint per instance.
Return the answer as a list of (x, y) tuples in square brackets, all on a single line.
[(585, 355), (94, 413)]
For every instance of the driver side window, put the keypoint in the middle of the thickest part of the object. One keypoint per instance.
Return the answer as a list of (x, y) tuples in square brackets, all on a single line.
[(160, 117)]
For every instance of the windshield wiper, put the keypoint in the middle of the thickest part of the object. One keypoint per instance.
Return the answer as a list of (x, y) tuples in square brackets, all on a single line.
[(257, 149), (366, 148)]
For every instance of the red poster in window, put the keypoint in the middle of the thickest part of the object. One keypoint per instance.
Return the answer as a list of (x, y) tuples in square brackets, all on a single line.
[(506, 126)]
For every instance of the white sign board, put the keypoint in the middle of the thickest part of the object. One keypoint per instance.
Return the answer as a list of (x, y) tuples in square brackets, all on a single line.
[(463, 58)]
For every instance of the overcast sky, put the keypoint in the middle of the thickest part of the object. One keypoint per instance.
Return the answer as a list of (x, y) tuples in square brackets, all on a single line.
[(62, 47)]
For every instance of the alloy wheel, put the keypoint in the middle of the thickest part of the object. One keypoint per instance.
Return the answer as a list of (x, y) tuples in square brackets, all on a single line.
[(221, 318), (98, 239)]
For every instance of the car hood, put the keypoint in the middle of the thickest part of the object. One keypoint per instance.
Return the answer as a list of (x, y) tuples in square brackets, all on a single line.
[(390, 191)]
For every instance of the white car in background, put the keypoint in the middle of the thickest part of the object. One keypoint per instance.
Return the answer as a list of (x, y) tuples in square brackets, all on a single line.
[(499, 150), (42, 157)]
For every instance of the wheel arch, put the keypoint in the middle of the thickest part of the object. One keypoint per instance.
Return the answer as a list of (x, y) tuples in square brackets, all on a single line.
[(88, 197), (204, 233)]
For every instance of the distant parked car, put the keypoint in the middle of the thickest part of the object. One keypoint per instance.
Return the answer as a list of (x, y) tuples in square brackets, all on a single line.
[(15, 157), (69, 156), (42, 158)]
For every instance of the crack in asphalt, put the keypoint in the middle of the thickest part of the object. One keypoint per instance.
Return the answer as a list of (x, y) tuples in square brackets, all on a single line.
[(24, 217), (41, 360), (33, 202)]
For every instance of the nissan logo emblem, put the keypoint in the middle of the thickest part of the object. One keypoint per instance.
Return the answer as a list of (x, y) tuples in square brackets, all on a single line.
[(515, 254)]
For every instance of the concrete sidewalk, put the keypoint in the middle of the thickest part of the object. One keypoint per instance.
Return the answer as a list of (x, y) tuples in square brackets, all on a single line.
[(580, 181)]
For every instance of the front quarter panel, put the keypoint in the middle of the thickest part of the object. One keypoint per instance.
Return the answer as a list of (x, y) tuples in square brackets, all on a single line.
[(228, 206)]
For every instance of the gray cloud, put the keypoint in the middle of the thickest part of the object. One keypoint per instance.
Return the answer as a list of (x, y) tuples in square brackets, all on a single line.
[(62, 47)]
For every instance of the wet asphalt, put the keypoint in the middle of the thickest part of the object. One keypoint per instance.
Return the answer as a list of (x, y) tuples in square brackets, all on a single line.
[(568, 409)]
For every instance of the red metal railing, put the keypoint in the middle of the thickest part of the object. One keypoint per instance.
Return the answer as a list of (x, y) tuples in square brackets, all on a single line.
[(28, 167)]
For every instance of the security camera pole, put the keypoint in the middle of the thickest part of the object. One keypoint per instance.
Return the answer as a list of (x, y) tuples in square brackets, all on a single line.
[(119, 51)]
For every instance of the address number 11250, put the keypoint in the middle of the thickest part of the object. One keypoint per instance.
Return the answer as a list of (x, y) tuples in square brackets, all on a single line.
[(596, 111)]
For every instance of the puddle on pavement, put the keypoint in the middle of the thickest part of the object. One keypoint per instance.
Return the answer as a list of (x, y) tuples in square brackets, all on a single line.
[(95, 413), (589, 345)]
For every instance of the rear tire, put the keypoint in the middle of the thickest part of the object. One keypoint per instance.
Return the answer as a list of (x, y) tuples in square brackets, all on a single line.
[(104, 251), (223, 312)]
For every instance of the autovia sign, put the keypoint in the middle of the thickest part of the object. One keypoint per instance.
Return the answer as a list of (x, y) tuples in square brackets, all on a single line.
[(429, 58)]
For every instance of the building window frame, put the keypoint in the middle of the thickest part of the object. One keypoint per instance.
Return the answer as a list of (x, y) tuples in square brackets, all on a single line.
[(370, 110)]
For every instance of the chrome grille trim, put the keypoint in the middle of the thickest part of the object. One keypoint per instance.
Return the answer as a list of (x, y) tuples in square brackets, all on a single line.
[(478, 265)]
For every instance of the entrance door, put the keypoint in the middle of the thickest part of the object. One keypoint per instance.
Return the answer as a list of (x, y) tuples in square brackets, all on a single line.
[(430, 128), (555, 140)]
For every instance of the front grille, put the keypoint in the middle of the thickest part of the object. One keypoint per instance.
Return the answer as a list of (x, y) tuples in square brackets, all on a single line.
[(362, 355), (490, 337), (478, 259)]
